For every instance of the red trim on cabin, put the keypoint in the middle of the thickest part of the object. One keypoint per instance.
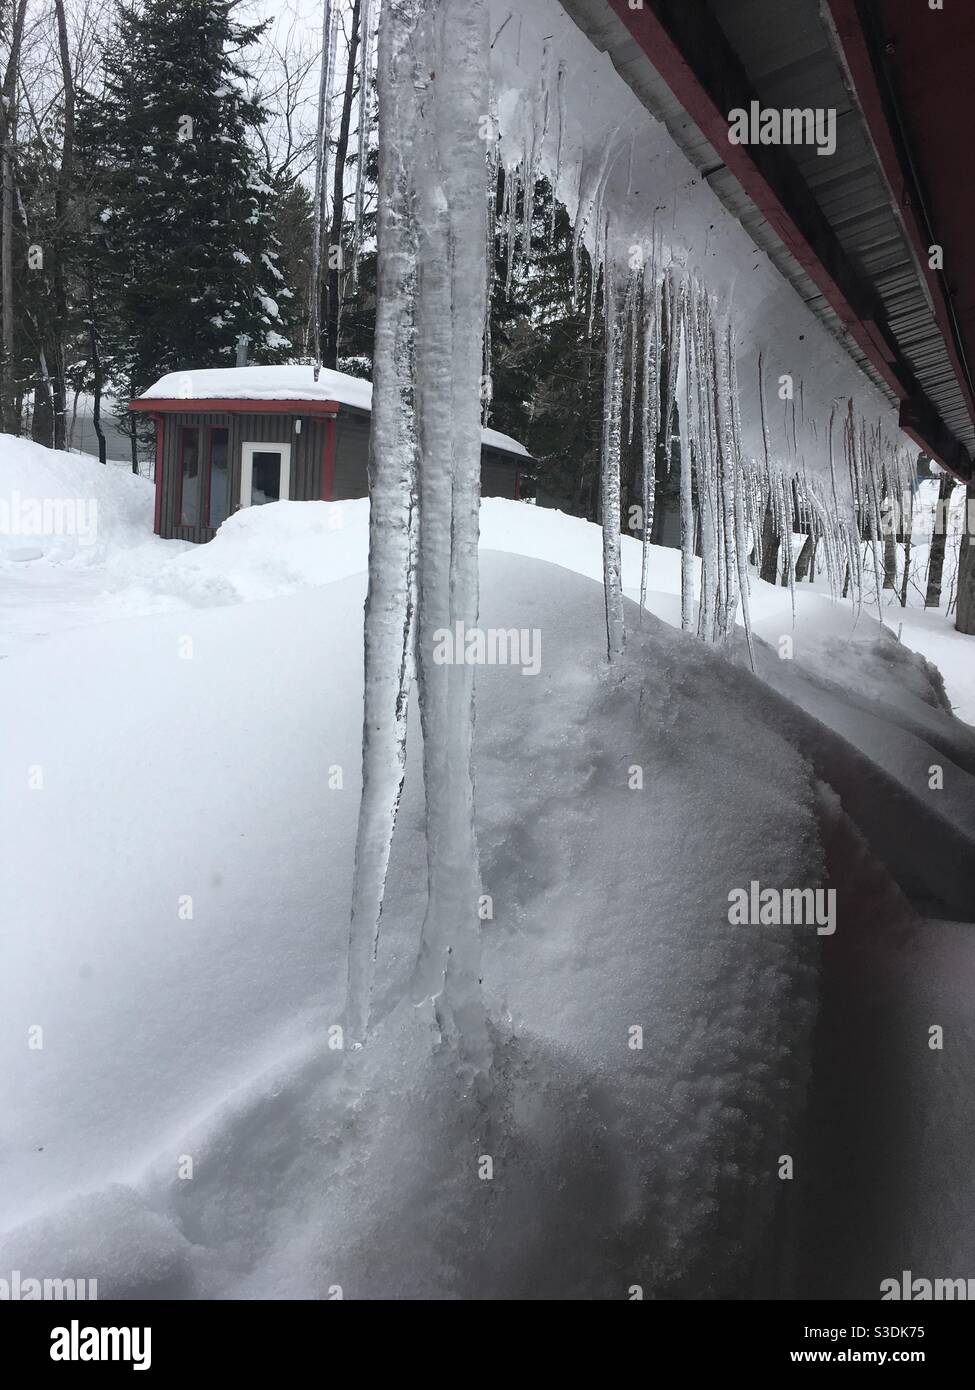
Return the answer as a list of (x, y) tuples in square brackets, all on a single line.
[(160, 424), (328, 459), (201, 406)]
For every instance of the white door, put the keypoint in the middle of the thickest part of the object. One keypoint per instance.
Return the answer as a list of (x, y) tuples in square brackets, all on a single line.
[(265, 473)]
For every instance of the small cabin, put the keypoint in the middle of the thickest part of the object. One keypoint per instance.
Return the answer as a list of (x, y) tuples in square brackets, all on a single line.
[(233, 437)]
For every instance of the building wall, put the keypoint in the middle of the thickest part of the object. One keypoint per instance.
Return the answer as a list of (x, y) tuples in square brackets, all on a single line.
[(307, 453), (498, 476), (498, 471), (351, 456)]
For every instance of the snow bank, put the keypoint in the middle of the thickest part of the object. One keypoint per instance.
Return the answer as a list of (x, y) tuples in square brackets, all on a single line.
[(166, 1036), (68, 508), (169, 1037)]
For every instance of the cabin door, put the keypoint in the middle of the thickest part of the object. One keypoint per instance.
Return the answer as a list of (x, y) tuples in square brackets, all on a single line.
[(265, 473)]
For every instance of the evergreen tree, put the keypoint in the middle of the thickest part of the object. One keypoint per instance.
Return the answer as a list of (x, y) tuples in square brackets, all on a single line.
[(185, 230), (546, 357)]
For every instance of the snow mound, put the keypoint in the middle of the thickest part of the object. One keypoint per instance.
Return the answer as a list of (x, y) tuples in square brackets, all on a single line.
[(167, 1037), (67, 508), (185, 1130)]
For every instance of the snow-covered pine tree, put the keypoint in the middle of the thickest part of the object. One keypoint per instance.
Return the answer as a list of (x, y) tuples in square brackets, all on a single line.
[(186, 218)]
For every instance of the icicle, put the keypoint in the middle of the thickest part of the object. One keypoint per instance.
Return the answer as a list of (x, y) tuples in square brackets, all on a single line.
[(704, 455), (634, 299), (651, 409), (429, 341), (487, 384), (684, 313), (511, 188), (452, 302), (392, 483), (727, 463), (614, 316), (557, 177), (675, 300)]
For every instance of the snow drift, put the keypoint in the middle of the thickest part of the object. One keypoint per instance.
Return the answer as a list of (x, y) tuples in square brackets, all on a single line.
[(177, 1044)]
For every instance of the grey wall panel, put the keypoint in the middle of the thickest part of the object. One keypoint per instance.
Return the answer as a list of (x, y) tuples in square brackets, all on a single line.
[(498, 471)]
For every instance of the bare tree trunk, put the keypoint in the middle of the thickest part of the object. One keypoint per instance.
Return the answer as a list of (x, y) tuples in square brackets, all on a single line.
[(42, 421), (890, 546), (770, 547), (908, 527), (96, 370), (321, 150), (936, 562), (10, 420), (62, 199), (330, 356), (965, 614)]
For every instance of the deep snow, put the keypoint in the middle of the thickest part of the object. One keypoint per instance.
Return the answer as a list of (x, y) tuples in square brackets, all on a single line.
[(168, 1037)]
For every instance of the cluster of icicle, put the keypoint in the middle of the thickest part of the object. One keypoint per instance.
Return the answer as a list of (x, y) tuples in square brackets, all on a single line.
[(671, 365), (424, 488), (671, 373)]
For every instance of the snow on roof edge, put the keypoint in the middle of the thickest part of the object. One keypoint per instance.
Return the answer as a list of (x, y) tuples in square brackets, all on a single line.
[(292, 382)]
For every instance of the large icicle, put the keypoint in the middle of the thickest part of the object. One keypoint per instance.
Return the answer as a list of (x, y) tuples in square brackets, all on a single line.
[(392, 486), (451, 308), (433, 91), (614, 313), (650, 391)]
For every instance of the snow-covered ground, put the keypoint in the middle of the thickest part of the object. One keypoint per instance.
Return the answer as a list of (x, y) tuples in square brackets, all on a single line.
[(180, 783)]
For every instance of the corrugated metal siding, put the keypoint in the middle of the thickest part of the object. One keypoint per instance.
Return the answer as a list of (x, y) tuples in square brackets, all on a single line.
[(498, 471), (351, 456), (307, 452), (498, 478), (792, 62)]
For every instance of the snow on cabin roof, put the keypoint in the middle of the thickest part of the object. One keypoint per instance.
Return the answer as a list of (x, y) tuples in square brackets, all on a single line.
[(287, 383)]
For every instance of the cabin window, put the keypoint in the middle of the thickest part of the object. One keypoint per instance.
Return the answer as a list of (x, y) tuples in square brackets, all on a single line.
[(266, 478), (265, 473), (189, 505), (219, 476)]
